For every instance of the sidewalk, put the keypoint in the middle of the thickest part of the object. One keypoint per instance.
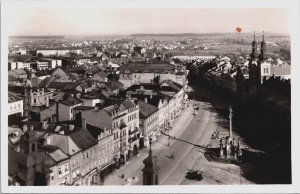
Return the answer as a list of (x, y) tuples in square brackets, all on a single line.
[(133, 167)]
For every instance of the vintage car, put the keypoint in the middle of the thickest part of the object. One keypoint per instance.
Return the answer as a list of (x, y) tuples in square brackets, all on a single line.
[(194, 175)]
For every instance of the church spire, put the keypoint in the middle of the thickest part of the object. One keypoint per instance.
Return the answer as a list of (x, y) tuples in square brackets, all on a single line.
[(254, 47), (262, 47)]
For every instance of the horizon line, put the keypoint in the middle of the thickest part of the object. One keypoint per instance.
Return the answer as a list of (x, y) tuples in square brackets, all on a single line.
[(133, 34)]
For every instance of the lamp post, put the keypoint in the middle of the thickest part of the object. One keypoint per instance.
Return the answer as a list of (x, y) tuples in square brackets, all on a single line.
[(230, 122)]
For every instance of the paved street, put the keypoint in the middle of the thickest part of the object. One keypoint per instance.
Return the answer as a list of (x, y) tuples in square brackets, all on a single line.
[(196, 129)]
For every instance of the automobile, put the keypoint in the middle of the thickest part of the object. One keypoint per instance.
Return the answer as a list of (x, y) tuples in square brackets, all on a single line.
[(194, 175)]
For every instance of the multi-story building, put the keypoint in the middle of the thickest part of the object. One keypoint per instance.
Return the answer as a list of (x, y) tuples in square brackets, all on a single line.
[(123, 120), (18, 65), (53, 63), (105, 158), (40, 97), (41, 65), (148, 121), (58, 165), (167, 96), (57, 51), (65, 109), (133, 73), (15, 104), (80, 147)]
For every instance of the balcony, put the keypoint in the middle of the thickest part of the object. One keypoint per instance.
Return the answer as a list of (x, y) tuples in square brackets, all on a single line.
[(123, 125), (134, 131)]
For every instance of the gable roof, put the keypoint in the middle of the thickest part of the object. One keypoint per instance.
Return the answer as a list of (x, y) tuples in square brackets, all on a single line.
[(147, 68), (146, 109), (12, 97), (100, 119), (114, 85), (128, 104), (83, 139), (70, 101), (65, 143)]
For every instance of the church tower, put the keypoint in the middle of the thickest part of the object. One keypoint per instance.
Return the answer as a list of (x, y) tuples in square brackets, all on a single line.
[(262, 48), (150, 171), (255, 67), (29, 140), (254, 47)]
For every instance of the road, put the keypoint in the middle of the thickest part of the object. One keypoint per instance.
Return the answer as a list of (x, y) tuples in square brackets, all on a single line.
[(196, 129)]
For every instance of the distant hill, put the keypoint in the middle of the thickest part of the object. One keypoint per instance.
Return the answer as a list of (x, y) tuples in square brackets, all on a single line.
[(36, 37), (177, 35)]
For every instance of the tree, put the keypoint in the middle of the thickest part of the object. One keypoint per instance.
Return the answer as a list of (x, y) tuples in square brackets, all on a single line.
[(156, 79), (40, 55)]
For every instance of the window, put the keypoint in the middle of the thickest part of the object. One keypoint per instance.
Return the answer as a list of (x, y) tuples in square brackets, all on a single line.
[(34, 100), (33, 147), (66, 168), (59, 170)]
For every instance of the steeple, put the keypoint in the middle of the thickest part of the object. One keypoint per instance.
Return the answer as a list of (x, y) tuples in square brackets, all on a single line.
[(150, 175), (254, 47), (262, 47)]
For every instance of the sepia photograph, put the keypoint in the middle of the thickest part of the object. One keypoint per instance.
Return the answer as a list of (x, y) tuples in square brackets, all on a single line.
[(192, 95)]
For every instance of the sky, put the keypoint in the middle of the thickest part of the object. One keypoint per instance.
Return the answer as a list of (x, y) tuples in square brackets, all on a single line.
[(130, 21)]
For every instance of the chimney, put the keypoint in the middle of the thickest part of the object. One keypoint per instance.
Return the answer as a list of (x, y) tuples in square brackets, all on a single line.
[(57, 117), (44, 123), (146, 100), (83, 123), (62, 132), (18, 148), (24, 128)]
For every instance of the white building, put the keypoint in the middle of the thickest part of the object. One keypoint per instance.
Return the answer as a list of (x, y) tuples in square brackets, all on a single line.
[(40, 97), (15, 104), (53, 63), (41, 65), (58, 52), (18, 65)]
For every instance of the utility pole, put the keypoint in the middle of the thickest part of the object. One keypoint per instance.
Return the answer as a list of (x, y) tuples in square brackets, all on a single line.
[(168, 135), (230, 122)]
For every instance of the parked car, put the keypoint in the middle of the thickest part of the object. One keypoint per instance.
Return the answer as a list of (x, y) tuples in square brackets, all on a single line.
[(194, 175)]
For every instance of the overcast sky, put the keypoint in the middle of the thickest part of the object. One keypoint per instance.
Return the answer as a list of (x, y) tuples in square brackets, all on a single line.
[(129, 21)]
